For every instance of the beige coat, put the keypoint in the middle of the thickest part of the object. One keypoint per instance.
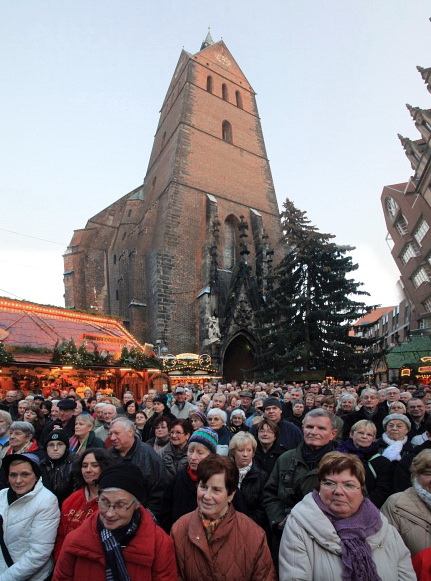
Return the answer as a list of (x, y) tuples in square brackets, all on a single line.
[(411, 517), (310, 548)]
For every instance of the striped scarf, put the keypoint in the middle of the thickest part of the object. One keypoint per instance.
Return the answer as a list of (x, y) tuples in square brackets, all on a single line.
[(116, 569)]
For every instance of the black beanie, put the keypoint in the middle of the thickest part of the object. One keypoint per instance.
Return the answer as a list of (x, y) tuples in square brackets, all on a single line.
[(57, 436), (126, 476)]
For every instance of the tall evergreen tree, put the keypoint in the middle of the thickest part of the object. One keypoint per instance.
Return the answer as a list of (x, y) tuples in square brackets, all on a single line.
[(310, 307)]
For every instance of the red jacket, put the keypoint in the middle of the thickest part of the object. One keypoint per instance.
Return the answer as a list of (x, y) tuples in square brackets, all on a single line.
[(149, 556), (237, 551), (74, 511)]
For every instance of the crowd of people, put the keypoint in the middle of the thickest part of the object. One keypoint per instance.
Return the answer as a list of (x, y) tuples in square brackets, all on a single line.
[(218, 482)]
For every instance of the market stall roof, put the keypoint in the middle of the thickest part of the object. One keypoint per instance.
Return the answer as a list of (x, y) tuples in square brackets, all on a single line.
[(40, 327), (409, 353)]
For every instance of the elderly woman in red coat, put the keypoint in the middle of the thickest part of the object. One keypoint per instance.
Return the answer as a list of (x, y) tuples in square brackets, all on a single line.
[(121, 542), (215, 542)]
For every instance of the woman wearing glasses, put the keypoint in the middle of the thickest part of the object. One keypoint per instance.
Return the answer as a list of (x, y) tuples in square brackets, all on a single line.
[(122, 541), (336, 533)]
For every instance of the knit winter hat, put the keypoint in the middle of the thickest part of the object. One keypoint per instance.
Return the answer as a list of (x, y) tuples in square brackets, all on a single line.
[(401, 417), (57, 436), (271, 401), (125, 476), (199, 415), (206, 437), (160, 397)]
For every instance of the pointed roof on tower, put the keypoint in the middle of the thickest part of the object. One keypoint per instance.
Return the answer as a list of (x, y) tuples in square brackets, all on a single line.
[(208, 40)]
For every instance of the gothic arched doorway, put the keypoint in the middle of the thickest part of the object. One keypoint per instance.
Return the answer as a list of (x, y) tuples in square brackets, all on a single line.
[(237, 358)]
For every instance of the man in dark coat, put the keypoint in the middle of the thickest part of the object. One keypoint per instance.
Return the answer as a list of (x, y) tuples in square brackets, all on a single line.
[(127, 447), (65, 421), (370, 410)]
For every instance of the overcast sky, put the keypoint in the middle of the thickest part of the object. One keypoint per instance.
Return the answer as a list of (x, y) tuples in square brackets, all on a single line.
[(83, 82)]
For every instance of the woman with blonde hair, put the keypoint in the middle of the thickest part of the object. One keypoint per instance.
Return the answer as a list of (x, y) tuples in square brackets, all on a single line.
[(379, 471), (242, 449)]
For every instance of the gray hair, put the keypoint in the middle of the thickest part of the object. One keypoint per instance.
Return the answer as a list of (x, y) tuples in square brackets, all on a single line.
[(25, 427), (218, 412), (369, 390), (6, 416), (320, 413), (127, 424), (344, 397), (256, 399), (88, 419), (219, 394)]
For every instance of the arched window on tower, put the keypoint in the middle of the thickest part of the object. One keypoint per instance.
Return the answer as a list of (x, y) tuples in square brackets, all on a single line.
[(224, 92), (209, 84), (226, 131), (238, 98), (230, 243)]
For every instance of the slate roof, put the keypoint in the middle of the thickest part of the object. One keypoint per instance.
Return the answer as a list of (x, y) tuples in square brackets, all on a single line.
[(40, 326)]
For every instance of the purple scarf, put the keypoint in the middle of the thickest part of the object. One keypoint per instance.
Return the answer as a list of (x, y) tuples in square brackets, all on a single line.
[(348, 447), (358, 564)]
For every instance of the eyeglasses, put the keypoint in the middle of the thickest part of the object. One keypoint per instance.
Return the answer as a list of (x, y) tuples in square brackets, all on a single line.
[(346, 486), (119, 506)]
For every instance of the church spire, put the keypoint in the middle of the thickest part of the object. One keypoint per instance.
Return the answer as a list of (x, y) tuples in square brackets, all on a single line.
[(208, 40), (426, 75)]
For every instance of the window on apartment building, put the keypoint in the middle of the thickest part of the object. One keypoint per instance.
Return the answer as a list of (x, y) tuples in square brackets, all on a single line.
[(427, 304), (421, 230), (226, 131), (224, 92), (409, 251), (238, 98), (209, 84), (424, 323), (391, 207), (419, 277), (401, 225)]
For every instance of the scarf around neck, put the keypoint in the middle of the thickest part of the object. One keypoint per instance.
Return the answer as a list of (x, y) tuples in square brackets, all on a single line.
[(211, 525), (393, 451), (358, 564), (423, 494), (348, 447), (243, 473), (312, 457), (116, 569)]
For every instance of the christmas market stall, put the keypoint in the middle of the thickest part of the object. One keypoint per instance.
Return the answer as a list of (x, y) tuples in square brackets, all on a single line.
[(44, 348)]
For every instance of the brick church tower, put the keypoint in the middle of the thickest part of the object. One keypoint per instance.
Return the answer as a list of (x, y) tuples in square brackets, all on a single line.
[(182, 259)]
